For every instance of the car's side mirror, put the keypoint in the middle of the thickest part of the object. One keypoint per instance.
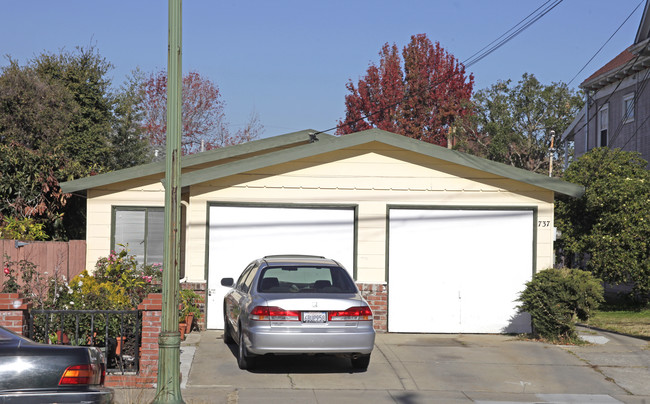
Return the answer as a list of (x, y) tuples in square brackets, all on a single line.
[(227, 282)]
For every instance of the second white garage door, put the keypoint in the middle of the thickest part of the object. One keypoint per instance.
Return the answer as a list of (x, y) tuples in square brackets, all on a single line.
[(240, 234), (458, 270)]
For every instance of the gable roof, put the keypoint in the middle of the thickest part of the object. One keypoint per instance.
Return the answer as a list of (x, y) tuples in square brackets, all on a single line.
[(210, 157), (293, 146), (644, 26), (633, 59), (617, 63)]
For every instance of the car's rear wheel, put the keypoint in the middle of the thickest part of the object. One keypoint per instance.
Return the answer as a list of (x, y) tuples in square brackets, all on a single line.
[(227, 331), (244, 360), (361, 362)]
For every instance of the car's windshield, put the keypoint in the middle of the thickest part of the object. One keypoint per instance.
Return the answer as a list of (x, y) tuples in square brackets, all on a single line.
[(305, 279)]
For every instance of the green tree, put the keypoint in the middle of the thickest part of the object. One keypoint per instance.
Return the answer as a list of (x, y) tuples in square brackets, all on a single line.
[(130, 146), (60, 120), (512, 124), (609, 227), (83, 74), (29, 188), (34, 112)]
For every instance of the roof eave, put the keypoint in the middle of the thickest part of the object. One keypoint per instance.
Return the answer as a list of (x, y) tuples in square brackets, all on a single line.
[(158, 168), (392, 139), (640, 62)]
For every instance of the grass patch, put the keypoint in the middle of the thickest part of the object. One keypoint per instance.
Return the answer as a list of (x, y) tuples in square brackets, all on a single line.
[(635, 323)]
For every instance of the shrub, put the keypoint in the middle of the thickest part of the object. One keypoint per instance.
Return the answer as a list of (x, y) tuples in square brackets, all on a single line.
[(556, 298), (33, 285), (89, 293), (189, 303), (122, 269), (26, 229)]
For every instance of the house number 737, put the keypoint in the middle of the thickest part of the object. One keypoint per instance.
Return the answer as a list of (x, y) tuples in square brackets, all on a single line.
[(543, 223)]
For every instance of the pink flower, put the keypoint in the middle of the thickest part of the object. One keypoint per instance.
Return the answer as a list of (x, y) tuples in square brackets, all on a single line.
[(7, 271)]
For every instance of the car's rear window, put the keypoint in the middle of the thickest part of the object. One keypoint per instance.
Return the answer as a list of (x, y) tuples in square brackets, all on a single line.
[(305, 279)]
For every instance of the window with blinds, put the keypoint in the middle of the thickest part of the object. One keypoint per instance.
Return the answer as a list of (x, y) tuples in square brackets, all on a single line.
[(141, 230)]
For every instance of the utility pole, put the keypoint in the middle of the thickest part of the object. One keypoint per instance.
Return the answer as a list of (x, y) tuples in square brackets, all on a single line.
[(551, 151), (169, 341)]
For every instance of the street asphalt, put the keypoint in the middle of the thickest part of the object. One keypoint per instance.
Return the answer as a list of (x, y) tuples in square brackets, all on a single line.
[(422, 368)]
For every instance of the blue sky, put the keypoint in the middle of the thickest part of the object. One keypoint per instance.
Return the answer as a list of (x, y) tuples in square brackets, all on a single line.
[(290, 60)]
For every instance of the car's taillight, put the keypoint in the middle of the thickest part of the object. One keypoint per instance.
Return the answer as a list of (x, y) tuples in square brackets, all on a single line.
[(360, 313), (102, 379), (272, 313), (81, 374)]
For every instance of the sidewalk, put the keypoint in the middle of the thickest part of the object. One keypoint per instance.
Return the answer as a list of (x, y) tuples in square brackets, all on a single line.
[(423, 368)]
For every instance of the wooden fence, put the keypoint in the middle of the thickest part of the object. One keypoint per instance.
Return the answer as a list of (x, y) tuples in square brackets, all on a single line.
[(50, 257)]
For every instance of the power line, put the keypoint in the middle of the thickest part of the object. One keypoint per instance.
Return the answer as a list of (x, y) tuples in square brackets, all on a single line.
[(635, 131), (472, 60), (476, 59), (505, 33), (631, 62), (625, 116), (606, 42)]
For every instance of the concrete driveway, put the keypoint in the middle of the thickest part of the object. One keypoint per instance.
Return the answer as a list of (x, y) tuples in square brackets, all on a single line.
[(425, 368)]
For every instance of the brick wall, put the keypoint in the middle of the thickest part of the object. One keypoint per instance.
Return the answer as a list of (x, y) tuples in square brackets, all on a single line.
[(376, 294), (151, 308), (14, 311)]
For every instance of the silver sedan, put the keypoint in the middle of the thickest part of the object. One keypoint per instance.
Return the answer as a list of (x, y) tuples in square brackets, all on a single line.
[(297, 305)]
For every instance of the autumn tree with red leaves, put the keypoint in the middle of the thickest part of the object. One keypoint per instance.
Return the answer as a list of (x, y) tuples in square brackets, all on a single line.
[(419, 96), (204, 124)]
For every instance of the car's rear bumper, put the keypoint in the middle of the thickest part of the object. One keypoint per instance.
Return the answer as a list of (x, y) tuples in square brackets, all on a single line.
[(99, 395), (261, 341)]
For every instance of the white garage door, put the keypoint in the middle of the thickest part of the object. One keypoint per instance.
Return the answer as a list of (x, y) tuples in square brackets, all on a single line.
[(240, 234), (458, 270)]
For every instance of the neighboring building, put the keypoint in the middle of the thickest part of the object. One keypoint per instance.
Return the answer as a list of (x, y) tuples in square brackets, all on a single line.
[(617, 110), (441, 241)]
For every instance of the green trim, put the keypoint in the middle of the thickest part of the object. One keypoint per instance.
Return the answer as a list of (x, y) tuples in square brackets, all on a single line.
[(355, 247), (206, 268), (535, 228), (130, 208), (399, 141), (206, 263), (326, 144), (386, 260), (210, 156)]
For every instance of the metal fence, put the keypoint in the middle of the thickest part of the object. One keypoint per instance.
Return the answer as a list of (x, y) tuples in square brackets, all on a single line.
[(116, 332)]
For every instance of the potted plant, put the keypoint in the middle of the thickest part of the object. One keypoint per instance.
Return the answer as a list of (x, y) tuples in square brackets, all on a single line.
[(189, 308)]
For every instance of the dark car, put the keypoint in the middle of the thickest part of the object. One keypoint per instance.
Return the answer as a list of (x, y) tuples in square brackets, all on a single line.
[(287, 305), (38, 373)]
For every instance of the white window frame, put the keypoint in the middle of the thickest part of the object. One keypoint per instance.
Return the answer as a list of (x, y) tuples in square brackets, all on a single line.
[(629, 105), (603, 111)]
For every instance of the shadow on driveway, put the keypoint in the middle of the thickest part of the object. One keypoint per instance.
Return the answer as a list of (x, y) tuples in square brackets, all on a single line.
[(299, 364)]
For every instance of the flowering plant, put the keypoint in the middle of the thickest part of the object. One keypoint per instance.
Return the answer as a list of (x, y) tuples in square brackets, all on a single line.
[(121, 268), (11, 284)]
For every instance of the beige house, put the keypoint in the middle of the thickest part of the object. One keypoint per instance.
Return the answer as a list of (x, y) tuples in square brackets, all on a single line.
[(439, 241)]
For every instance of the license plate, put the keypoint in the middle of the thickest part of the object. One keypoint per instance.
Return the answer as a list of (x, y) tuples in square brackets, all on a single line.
[(314, 317)]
